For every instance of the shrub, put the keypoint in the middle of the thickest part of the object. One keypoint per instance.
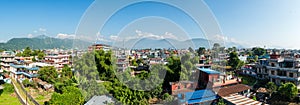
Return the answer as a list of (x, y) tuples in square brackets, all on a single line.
[(8, 88)]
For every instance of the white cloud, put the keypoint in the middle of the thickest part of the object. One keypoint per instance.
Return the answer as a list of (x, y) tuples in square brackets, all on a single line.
[(226, 39), (141, 34), (29, 35), (64, 36)]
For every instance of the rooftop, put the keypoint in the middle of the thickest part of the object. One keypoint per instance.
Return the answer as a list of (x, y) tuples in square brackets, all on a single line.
[(197, 96), (209, 71), (225, 91)]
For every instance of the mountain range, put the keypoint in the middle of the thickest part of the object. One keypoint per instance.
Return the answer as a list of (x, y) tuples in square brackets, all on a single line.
[(40, 42), (46, 42), (168, 43)]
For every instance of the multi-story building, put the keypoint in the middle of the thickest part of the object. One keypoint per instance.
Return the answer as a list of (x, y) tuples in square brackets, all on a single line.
[(98, 46), (6, 58), (284, 68), (122, 63), (209, 78), (57, 60)]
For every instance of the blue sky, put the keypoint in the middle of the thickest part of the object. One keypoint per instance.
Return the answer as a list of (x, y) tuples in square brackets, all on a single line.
[(270, 23)]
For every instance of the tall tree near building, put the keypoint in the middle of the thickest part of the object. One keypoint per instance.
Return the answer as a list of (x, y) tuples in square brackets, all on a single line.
[(234, 61), (288, 90), (258, 51), (271, 87), (70, 96), (41, 55), (191, 49), (201, 51), (27, 52), (48, 74)]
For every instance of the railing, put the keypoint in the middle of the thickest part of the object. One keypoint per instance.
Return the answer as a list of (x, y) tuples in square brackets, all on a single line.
[(27, 94), (18, 95)]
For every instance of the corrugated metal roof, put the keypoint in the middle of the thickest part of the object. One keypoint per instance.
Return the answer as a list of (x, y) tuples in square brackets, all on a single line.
[(209, 71), (198, 96)]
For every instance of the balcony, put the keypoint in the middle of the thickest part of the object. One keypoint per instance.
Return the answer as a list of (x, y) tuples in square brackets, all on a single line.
[(284, 69), (285, 78)]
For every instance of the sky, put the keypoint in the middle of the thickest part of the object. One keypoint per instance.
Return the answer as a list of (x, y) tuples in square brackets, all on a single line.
[(270, 23)]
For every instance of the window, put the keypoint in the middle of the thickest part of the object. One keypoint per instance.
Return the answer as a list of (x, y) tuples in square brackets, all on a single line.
[(273, 72), (291, 75), (272, 64)]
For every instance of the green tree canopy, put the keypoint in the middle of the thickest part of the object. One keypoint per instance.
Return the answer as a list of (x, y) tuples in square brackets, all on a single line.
[(234, 61), (70, 96), (258, 51), (288, 90), (271, 87), (48, 74), (27, 52), (66, 72)]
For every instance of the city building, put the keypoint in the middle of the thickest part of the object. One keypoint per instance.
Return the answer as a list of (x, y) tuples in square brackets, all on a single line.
[(284, 68), (209, 78), (98, 46), (6, 57), (57, 60)]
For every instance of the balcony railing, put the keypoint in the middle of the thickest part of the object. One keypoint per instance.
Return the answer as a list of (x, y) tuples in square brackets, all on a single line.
[(285, 78), (284, 69)]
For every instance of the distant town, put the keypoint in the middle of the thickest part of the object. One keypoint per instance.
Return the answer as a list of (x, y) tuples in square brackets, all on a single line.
[(217, 75)]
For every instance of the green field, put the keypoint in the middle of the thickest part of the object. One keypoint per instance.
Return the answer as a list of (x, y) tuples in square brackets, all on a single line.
[(9, 99)]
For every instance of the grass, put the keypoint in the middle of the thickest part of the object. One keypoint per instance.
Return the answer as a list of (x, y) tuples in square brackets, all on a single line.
[(21, 92), (9, 99), (40, 95)]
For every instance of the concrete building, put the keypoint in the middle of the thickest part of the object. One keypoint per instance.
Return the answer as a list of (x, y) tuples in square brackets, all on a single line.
[(6, 57), (284, 68)]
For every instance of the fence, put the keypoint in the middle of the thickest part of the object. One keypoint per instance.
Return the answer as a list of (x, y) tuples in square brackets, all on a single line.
[(27, 94), (18, 95)]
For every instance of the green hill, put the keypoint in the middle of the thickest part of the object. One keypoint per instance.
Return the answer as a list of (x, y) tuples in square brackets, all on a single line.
[(42, 42)]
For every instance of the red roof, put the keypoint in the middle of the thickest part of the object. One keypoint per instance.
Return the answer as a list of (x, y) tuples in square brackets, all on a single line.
[(225, 91)]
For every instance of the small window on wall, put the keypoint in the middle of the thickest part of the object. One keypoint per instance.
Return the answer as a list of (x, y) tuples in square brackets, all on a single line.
[(273, 72), (291, 75), (272, 64)]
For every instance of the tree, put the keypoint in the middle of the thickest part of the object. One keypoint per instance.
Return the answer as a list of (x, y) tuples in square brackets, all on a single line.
[(167, 97), (48, 74), (133, 62), (234, 61), (271, 87), (27, 83), (288, 90), (70, 96), (66, 72), (41, 55), (216, 47), (221, 102), (104, 62), (27, 52), (33, 59), (258, 51), (139, 61), (8, 88), (191, 49)]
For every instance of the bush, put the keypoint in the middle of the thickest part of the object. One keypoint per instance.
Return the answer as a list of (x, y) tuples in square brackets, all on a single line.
[(27, 83), (8, 88)]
